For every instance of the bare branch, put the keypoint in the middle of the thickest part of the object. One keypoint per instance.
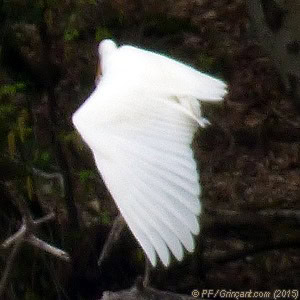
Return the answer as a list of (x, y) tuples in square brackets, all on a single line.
[(146, 280), (33, 240), (44, 219), (26, 233), (15, 237), (114, 235)]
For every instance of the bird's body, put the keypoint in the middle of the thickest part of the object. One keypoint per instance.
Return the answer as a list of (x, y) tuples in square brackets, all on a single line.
[(139, 122)]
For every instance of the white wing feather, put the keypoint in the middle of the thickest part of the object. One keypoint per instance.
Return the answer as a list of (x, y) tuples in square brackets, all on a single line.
[(164, 76), (139, 123)]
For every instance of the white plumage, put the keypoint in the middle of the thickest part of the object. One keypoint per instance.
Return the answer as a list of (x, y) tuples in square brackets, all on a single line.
[(139, 122)]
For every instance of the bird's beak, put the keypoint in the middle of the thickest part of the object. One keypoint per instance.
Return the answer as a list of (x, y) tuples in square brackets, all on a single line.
[(98, 73)]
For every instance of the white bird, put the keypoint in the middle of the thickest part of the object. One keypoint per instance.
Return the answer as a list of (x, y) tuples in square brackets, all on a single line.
[(139, 123)]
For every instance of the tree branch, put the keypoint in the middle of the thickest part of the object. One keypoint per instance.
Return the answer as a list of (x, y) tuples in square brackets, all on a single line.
[(33, 240), (26, 233), (19, 235), (113, 237)]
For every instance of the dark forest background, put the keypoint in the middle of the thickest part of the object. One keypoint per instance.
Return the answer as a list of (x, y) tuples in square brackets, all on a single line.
[(249, 158)]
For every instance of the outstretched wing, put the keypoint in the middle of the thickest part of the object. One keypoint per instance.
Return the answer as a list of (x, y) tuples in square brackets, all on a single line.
[(142, 149), (139, 123), (159, 74)]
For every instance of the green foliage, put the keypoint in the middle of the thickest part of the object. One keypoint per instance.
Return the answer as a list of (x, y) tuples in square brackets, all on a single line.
[(102, 33), (71, 34), (42, 159), (87, 179), (86, 175), (45, 156), (11, 89), (13, 129), (105, 218), (72, 137), (68, 137), (13, 126), (7, 111)]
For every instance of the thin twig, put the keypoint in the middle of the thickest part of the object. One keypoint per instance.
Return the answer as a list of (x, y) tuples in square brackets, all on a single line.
[(15, 237), (33, 240), (146, 279), (44, 219), (26, 233), (113, 236)]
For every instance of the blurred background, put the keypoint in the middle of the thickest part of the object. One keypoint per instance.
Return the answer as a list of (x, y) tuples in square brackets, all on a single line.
[(249, 158)]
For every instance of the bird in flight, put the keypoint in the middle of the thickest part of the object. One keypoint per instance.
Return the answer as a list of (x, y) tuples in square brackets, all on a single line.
[(139, 123)]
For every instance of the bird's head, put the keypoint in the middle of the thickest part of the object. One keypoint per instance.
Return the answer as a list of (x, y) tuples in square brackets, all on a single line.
[(105, 49)]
